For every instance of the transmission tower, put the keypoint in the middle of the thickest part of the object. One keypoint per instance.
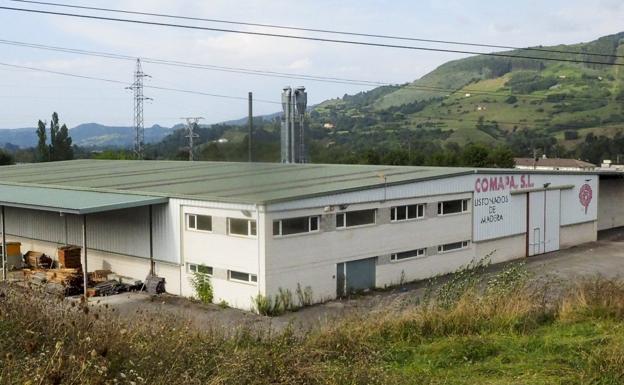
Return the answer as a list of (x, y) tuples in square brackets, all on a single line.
[(139, 128), (191, 123)]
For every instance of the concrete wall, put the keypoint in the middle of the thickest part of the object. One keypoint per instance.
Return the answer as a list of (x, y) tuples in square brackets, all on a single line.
[(222, 252), (310, 259), (573, 235), (502, 249), (391, 273), (610, 203)]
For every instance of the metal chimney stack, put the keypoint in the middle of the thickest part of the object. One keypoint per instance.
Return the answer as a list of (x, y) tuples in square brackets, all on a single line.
[(293, 144)]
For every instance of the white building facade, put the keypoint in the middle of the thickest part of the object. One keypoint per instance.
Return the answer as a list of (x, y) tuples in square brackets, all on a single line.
[(331, 244)]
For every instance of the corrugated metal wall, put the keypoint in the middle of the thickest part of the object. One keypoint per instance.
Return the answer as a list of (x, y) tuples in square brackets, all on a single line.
[(121, 231)]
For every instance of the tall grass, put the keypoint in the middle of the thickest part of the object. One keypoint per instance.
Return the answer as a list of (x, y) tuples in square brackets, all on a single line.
[(44, 340)]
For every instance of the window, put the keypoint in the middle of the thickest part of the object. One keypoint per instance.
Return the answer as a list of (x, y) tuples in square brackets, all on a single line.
[(245, 227), (295, 225), (199, 222), (453, 207), (242, 277), (356, 218), (407, 254), (404, 213), (194, 268), (453, 246)]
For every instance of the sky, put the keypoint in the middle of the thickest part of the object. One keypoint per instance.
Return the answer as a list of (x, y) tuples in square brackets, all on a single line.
[(27, 96)]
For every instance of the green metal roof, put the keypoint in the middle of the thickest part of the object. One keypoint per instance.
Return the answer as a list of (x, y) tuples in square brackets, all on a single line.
[(71, 201), (213, 181)]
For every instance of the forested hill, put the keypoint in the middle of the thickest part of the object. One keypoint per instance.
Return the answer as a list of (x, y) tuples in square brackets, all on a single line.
[(561, 108)]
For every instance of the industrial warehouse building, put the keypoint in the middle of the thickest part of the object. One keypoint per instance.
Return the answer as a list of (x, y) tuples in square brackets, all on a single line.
[(257, 227)]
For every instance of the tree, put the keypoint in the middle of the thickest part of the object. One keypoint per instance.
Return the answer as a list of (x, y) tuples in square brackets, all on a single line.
[(501, 157), (54, 129), (43, 151), (475, 155), (60, 147), (63, 150), (5, 158), (114, 155)]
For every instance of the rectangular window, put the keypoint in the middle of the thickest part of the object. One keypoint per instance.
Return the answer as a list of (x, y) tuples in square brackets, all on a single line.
[(407, 254), (404, 213), (242, 277), (453, 246), (356, 218), (340, 220), (245, 227), (314, 223), (199, 222), (453, 207), (295, 225), (194, 268)]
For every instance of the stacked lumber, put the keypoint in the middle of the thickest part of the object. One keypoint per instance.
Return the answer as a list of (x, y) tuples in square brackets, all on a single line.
[(99, 276), (69, 257), (64, 277), (37, 260)]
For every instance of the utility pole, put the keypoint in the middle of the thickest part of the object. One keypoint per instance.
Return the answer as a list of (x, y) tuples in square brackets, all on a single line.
[(139, 98), (250, 133), (191, 123)]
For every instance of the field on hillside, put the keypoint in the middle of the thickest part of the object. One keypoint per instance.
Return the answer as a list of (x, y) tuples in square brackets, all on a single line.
[(503, 329)]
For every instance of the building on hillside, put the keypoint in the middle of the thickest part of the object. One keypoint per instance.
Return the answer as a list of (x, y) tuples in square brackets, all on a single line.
[(608, 165), (553, 164), (256, 228)]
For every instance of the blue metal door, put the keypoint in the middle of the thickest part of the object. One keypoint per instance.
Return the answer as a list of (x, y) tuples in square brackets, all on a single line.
[(354, 276)]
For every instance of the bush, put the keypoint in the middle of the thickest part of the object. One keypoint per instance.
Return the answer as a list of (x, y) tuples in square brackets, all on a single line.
[(512, 99), (6, 158), (304, 296), (570, 135), (263, 305), (203, 287)]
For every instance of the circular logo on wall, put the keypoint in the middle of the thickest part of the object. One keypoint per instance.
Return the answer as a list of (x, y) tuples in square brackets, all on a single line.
[(585, 196)]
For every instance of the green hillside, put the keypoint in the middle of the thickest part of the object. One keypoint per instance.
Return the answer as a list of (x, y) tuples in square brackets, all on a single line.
[(522, 104), (507, 93)]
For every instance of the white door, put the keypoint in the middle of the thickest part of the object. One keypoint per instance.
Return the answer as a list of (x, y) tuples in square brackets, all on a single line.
[(552, 217), (536, 226), (544, 221)]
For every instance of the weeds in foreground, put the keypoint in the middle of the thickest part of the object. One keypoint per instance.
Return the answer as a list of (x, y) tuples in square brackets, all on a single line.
[(500, 330), (282, 302)]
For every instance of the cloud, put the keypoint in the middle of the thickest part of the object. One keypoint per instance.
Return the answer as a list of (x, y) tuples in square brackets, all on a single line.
[(519, 23)]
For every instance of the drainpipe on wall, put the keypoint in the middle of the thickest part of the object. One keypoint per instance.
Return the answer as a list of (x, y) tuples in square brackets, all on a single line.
[(4, 252), (258, 232)]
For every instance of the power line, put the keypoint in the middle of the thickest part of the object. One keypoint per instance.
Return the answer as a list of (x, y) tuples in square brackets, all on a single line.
[(308, 38), (225, 96), (125, 83), (248, 71), (305, 29)]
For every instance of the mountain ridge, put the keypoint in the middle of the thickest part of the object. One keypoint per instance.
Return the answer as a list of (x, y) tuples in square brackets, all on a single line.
[(93, 135)]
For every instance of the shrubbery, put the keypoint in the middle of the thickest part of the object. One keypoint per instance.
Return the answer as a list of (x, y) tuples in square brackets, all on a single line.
[(203, 287)]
